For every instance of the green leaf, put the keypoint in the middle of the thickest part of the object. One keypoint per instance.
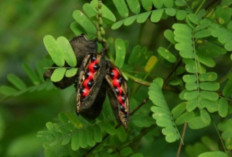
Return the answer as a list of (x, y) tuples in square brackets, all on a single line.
[(180, 3), (168, 3), (185, 117), (197, 123), (106, 12), (58, 74), (128, 21), (206, 60), (179, 27), (211, 49), (227, 90), (122, 135), (178, 110), (169, 35), (170, 133), (90, 10), (181, 14), (136, 54), (97, 134), (209, 95), (147, 4), (191, 95), (121, 7), (222, 107), (126, 151), (193, 18), (156, 15), (192, 104), (191, 86), (202, 34), (31, 74), (157, 4), (228, 45), (117, 25), (186, 49), (170, 11), (85, 23), (7, 90), (40, 64), (141, 18), (16, 81), (54, 50), (213, 154), (192, 67), (76, 28), (167, 55), (75, 141), (67, 51), (211, 106), (209, 76), (71, 72), (161, 111), (134, 6), (210, 86), (205, 116), (120, 47), (89, 139), (189, 78)]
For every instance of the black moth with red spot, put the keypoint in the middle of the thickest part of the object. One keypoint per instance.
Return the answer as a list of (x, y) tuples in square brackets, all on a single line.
[(96, 76)]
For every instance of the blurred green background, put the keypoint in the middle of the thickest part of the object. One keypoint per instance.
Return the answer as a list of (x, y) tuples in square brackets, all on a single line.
[(23, 24)]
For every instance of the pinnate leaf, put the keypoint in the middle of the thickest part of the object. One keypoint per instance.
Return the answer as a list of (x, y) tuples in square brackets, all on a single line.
[(161, 111)]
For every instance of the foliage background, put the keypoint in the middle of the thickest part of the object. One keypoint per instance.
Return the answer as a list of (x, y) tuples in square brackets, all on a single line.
[(23, 25)]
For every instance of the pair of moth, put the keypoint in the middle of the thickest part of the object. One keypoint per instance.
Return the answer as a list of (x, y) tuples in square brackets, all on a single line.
[(95, 77)]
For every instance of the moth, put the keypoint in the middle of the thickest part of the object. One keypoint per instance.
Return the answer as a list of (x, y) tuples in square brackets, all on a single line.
[(96, 77)]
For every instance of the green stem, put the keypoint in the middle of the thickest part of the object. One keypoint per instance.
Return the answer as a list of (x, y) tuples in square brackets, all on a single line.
[(221, 140), (100, 28), (200, 6), (137, 80)]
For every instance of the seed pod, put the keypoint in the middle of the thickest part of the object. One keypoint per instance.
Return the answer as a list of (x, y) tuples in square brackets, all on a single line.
[(118, 94), (81, 47), (90, 104)]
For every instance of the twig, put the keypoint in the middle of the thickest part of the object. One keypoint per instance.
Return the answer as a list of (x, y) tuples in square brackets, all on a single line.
[(139, 106), (182, 139), (172, 72)]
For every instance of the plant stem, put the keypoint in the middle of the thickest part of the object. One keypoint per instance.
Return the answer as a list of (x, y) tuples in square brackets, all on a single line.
[(100, 28), (200, 6), (138, 80), (182, 139), (221, 140)]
